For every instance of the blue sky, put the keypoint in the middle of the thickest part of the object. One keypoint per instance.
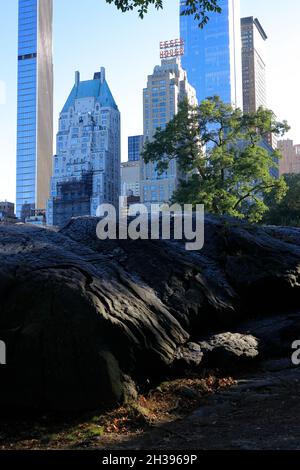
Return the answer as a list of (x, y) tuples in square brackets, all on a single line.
[(89, 34)]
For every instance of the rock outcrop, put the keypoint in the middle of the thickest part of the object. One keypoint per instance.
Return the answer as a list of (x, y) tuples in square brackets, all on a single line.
[(86, 321)]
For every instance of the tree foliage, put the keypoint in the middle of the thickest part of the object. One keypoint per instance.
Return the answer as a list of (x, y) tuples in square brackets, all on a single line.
[(200, 9), (219, 150), (286, 211)]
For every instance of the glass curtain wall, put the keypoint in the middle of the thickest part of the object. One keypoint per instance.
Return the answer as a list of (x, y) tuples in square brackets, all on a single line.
[(27, 106)]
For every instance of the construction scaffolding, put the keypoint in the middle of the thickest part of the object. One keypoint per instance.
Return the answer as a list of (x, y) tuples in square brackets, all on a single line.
[(73, 199)]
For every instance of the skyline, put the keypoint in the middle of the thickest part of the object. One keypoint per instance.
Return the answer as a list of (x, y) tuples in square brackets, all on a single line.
[(80, 43)]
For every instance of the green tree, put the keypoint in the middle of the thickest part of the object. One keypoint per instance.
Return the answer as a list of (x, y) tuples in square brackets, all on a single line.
[(286, 211), (200, 9), (218, 149)]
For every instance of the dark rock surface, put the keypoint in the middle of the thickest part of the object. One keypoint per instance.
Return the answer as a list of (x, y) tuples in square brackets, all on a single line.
[(84, 319)]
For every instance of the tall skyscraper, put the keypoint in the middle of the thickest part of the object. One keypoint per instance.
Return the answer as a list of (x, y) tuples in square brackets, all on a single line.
[(212, 55), (135, 147), (253, 64), (166, 87), (35, 106), (86, 168), (254, 68), (290, 162)]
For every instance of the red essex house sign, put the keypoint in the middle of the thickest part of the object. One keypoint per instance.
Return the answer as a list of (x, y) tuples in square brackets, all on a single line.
[(173, 48)]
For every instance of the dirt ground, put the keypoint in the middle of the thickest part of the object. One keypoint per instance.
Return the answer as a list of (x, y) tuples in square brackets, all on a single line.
[(256, 411), (261, 413)]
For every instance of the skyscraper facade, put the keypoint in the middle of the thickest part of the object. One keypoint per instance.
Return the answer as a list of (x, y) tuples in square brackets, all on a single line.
[(290, 162), (253, 64), (35, 106), (166, 87), (212, 55), (254, 68), (86, 167), (135, 147)]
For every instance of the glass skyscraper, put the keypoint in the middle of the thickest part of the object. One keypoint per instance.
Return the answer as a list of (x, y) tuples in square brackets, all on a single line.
[(212, 55), (35, 106), (135, 147)]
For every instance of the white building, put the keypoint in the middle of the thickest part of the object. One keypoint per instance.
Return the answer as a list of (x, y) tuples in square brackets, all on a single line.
[(166, 88), (86, 168)]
